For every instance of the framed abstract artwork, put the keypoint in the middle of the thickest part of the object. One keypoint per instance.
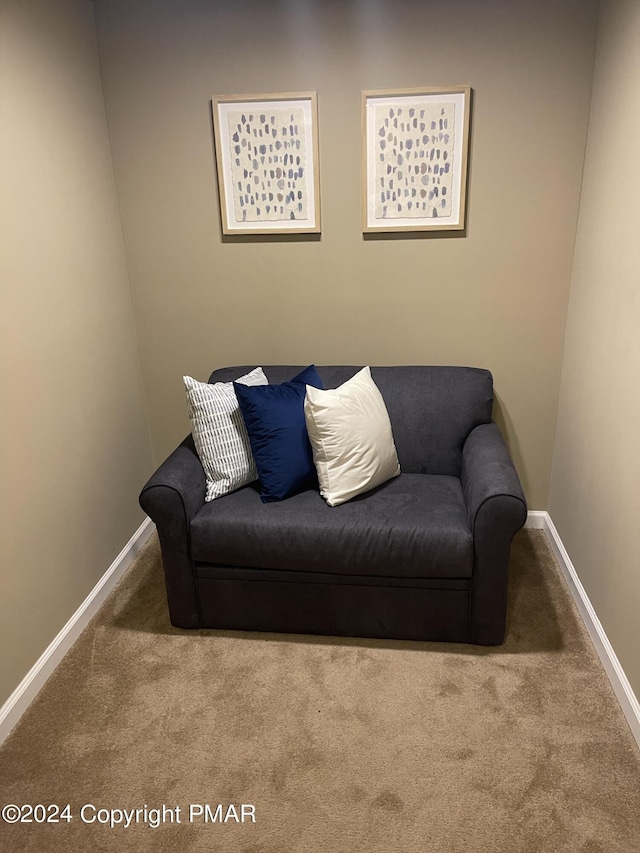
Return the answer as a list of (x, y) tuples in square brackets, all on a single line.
[(267, 160), (414, 164)]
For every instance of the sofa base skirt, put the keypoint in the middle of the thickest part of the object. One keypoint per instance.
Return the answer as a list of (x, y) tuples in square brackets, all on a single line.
[(438, 612)]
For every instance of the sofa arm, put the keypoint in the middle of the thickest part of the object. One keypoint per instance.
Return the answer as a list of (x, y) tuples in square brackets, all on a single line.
[(497, 510), (171, 498)]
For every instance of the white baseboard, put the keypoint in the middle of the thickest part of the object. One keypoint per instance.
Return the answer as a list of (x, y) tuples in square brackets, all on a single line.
[(535, 519), (623, 690), (34, 680)]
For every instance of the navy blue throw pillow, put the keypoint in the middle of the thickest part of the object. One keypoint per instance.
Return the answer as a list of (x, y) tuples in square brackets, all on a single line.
[(274, 418)]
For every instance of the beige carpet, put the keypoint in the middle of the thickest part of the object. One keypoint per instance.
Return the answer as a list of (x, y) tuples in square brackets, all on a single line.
[(342, 746)]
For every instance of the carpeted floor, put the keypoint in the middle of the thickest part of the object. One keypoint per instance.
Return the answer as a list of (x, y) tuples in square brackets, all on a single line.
[(342, 746)]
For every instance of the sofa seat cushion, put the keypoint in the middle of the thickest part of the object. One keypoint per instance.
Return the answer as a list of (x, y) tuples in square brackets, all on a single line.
[(413, 526)]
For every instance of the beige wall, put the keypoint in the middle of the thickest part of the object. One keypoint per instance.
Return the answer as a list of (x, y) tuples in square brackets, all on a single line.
[(496, 298), (74, 442), (595, 488)]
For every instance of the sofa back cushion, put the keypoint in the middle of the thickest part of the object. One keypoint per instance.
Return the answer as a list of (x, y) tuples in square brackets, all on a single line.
[(432, 408)]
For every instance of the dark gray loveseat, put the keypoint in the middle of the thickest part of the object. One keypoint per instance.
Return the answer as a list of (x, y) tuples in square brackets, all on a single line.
[(423, 557)]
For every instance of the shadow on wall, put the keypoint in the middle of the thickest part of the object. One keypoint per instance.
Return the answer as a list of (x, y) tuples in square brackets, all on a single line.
[(510, 433)]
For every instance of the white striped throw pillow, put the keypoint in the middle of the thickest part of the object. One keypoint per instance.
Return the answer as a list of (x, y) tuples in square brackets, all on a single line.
[(219, 433)]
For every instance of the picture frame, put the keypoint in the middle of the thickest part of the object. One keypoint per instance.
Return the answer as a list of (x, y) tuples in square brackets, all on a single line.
[(267, 163), (415, 145)]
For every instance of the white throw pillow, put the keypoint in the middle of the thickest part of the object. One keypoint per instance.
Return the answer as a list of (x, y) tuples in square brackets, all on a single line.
[(351, 438), (219, 433)]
